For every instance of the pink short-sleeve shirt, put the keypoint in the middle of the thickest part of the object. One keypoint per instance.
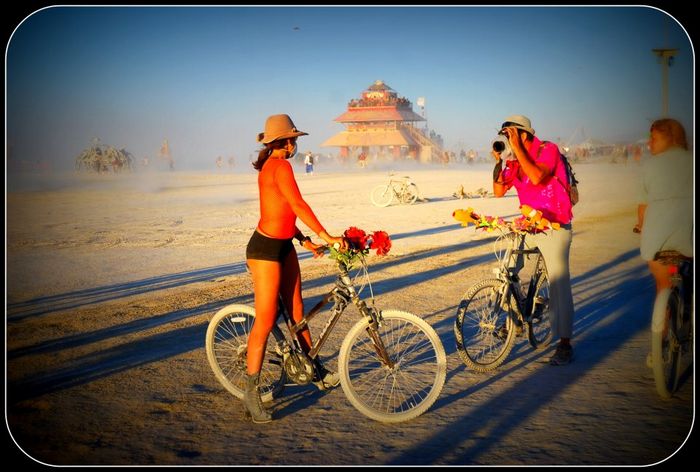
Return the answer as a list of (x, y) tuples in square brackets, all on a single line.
[(549, 196)]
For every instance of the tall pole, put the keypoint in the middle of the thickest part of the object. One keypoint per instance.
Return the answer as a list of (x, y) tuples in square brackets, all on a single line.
[(421, 103), (666, 58)]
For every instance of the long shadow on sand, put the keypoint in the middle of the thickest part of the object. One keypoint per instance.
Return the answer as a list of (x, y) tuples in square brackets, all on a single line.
[(589, 313), (49, 304), (66, 301), (615, 316), (100, 364), (91, 367)]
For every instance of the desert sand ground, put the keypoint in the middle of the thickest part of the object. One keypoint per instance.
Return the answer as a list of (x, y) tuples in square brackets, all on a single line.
[(111, 281)]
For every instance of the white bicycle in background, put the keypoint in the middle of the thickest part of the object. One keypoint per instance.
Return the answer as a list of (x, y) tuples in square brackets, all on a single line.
[(400, 188)]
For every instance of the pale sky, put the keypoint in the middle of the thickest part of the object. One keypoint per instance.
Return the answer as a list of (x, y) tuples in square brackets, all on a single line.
[(205, 78)]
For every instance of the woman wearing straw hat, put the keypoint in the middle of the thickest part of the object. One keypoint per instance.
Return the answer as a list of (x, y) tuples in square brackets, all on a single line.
[(271, 257)]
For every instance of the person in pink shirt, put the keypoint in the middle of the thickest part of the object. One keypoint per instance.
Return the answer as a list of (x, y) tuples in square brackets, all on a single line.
[(536, 170)]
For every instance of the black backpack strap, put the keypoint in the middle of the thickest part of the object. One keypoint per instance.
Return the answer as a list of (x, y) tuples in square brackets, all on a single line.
[(562, 161)]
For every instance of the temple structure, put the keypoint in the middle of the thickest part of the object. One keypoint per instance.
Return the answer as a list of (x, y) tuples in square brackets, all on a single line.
[(380, 124)]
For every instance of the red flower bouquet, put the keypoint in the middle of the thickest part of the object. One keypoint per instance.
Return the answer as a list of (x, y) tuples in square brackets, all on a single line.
[(360, 243), (357, 238)]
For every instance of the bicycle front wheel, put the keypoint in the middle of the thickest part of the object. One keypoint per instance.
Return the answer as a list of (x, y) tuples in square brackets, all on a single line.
[(484, 331), (409, 194), (381, 195), (539, 329), (665, 347), (227, 348), (407, 389)]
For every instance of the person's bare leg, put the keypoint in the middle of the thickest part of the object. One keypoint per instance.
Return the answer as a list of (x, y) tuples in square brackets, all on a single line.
[(290, 288), (660, 273), (266, 282)]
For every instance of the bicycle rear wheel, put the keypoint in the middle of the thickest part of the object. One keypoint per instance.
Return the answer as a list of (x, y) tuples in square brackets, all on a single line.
[(665, 346), (409, 388), (227, 347), (484, 332), (539, 331), (409, 194), (381, 195)]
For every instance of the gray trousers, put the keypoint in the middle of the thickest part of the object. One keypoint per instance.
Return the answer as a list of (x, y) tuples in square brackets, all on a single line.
[(555, 246)]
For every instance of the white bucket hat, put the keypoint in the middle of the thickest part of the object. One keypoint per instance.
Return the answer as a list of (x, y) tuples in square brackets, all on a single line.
[(518, 121), (279, 127)]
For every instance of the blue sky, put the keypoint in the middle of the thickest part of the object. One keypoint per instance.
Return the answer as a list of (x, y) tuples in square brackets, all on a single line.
[(206, 78)]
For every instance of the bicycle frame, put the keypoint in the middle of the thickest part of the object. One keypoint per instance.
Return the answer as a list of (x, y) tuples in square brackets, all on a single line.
[(680, 270), (511, 265), (341, 295), (399, 186), (391, 363), (683, 276)]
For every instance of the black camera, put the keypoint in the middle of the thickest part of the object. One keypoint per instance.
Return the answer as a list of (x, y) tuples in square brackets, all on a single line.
[(501, 144)]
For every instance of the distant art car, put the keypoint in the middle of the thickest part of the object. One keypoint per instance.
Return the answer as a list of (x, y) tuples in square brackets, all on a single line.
[(102, 159)]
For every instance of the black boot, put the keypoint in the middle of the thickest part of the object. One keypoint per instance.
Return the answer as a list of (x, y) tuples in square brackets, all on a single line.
[(324, 378), (252, 402)]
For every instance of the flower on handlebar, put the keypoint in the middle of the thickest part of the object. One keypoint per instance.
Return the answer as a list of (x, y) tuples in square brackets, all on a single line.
[(531, 221), (381, 242), (487, 223), (360, 243), (356, 238)]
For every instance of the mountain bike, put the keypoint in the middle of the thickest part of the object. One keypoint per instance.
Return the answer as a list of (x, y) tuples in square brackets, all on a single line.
[(495, 311), (392, 364), (401, 188), (672, 323)]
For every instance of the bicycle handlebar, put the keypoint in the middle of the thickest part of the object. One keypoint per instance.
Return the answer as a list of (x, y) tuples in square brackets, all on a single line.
[(327, 247)]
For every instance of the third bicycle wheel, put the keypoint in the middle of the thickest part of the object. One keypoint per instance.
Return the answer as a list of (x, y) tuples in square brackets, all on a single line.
[(665, 348), (409, 194)]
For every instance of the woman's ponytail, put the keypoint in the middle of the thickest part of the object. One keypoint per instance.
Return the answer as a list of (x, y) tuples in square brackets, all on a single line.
[(266, 151), (263, 155)]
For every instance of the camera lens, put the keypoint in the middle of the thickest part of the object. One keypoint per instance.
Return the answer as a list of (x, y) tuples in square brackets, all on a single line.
[(499, 146)]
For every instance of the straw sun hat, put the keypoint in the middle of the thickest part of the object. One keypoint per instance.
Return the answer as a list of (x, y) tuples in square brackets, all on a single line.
[(279, 127)]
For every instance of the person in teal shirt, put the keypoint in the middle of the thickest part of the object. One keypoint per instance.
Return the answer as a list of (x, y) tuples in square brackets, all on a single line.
[(665, 211)]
